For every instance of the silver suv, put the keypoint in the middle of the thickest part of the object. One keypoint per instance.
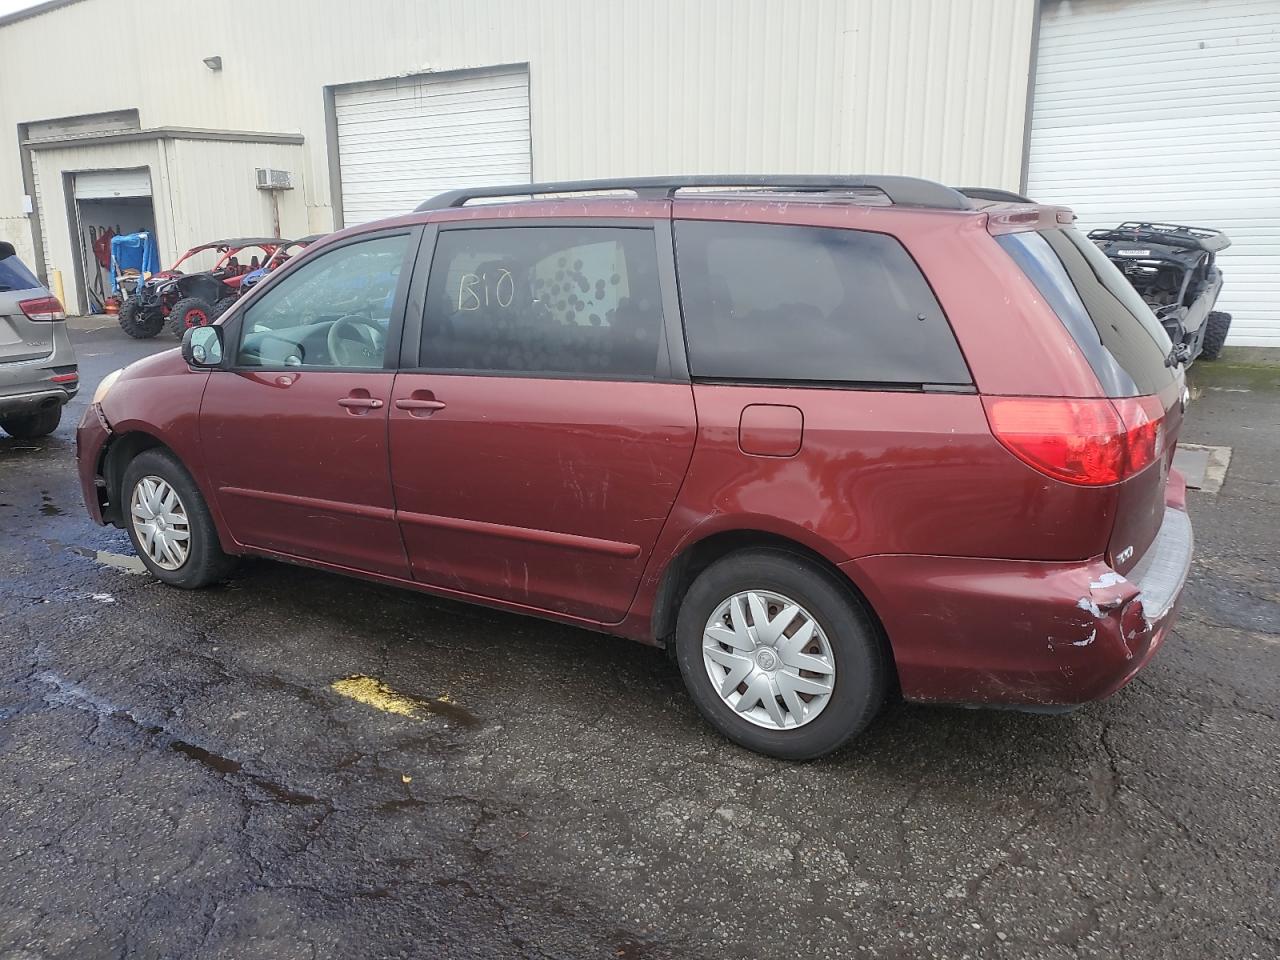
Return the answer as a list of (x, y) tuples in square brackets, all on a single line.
[(38, 372)]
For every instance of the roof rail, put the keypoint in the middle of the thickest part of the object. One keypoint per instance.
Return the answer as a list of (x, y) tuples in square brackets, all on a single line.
[(902, 191), (991, 193)]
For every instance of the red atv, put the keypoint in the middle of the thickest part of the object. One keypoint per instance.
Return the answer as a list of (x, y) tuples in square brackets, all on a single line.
[(194, 299)]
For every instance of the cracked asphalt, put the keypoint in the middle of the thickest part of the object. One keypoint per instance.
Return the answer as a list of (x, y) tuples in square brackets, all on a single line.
[(180, 778)]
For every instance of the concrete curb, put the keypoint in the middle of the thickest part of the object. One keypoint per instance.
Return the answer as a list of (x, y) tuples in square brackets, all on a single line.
[(101, 321)]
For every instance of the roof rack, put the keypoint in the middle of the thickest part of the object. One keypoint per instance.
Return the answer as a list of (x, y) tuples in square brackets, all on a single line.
[(991, 193), (901, 191), (1168, 234)]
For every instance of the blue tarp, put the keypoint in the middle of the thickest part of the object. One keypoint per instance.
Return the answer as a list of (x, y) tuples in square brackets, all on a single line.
[(136, 251)]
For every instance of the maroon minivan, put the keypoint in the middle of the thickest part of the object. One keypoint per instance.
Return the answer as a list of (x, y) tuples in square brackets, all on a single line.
[(821, 437)]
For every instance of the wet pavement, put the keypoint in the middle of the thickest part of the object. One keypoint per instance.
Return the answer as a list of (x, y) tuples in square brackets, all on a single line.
[(299, 765)]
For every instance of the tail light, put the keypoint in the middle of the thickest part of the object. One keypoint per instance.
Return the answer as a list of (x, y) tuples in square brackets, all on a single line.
[(1086, 442), (42, 309)]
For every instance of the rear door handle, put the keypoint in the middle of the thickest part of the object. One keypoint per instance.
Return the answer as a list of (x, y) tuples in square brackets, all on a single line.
[(412, 404), (361, 403)]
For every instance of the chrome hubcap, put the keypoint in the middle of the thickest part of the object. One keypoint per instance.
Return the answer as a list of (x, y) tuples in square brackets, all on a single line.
[(768, 659), (160, 521)]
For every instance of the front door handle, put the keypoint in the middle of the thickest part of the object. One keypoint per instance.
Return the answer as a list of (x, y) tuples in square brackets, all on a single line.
[(411, 404), (360, 403)]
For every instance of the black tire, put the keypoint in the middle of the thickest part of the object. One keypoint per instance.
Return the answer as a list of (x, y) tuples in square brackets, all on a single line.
[(222, 306), (33, 425), (861, 667), (1216, 326), (190, 312), (205, 562), (139, 323)]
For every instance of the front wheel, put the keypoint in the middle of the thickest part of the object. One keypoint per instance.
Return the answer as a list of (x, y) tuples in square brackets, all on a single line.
[(169, 522), (33, 425), (139, 322), (190, 312), (779, 655)]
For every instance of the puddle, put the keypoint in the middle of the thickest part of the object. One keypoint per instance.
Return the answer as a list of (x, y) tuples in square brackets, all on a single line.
[(67, 693), (372, 692), (227, 767), (219, 764), (48, 507)]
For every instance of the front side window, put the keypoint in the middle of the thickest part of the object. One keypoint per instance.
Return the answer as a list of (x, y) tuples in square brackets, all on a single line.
[(332, 312), (556, 301), (766, 302)]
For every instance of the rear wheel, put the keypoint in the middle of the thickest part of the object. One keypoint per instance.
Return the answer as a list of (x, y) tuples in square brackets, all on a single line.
[(1216, 326), (190, 312), (33, 425), (222, 306), (139, 322), (169, 522), (778, 655)]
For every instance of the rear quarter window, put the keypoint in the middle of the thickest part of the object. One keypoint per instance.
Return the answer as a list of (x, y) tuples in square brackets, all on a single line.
[(14, 274), (766, 302), (1114, 329)]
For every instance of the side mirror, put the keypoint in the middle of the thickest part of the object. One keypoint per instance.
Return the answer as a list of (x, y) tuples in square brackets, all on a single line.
[(202, 346)]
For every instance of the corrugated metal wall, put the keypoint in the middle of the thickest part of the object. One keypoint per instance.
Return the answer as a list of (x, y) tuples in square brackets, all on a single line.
[(1169, 110), (930, 87), (217, 196)]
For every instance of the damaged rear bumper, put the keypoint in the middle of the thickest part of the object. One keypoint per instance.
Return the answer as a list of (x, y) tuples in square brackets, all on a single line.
[(1028, 634)]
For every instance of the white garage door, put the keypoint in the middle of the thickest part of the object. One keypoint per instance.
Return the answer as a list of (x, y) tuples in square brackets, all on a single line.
[(1169, 110), (108, 184), (402, 141)]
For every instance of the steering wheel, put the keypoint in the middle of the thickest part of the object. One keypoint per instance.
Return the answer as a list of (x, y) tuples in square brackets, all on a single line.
[(355, 341)]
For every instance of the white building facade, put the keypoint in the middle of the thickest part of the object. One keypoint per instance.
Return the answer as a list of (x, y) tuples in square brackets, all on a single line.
[(156, 114)]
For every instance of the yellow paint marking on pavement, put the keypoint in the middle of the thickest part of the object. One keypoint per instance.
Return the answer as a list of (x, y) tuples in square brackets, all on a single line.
[(372, 692)]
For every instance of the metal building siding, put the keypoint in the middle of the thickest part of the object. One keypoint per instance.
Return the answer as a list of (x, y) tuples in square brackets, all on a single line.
[(212, 192), (402, 140), (617, 87), (1169, 110)]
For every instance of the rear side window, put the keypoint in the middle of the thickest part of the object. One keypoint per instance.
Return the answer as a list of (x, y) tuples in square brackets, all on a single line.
[(549, 301), (1115, 330), (14, 274), (765, 302)]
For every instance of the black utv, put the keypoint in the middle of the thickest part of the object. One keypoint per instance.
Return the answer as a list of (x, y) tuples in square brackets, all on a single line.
[(1172, 268)]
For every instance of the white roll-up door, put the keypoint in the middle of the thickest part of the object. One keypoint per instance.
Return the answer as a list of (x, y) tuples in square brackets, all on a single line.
[(109, 184), (1169, 110), (402, 141)]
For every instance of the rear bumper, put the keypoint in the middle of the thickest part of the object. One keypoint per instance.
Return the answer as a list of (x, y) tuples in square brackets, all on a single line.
[(34, 398), (91, 441), (30, 385), (1023, 633)]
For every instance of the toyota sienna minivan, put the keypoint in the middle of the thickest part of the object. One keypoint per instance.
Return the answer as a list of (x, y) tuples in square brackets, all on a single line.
[(823, 438)]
